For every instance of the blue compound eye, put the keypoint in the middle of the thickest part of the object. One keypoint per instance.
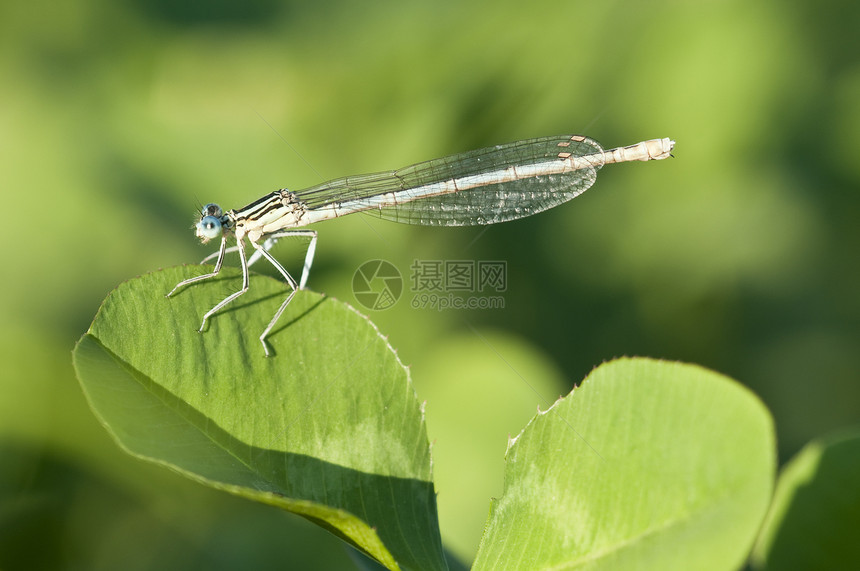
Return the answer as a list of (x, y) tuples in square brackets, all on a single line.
[(212, 210), (209, 227)]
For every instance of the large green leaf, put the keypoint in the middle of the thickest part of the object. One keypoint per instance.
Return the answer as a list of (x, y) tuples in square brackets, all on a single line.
[(328, 427), (815, 515), (647, 465)]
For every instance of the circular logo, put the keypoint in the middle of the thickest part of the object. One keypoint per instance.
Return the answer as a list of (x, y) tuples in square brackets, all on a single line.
[(377, 285)]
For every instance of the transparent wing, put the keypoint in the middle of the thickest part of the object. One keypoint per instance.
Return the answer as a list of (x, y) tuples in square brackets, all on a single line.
[(523, 196)]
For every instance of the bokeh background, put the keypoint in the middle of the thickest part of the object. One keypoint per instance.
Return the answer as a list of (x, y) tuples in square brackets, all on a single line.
[(118, 118)]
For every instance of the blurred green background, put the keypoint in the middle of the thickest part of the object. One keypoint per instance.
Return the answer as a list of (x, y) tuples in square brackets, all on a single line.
[(118, 118)]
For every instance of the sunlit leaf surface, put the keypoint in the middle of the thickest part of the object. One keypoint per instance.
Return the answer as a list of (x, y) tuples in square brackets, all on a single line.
[(648, 465), (328, 427)]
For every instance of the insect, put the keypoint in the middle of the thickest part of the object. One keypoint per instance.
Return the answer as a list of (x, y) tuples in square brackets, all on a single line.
[(485, 186)]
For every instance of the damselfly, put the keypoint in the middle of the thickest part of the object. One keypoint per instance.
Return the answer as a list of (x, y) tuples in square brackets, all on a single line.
[(486, 186)]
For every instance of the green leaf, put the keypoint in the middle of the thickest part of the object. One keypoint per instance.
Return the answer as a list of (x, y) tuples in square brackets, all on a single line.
[(647, 465), (813, 521), (328, 428)]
